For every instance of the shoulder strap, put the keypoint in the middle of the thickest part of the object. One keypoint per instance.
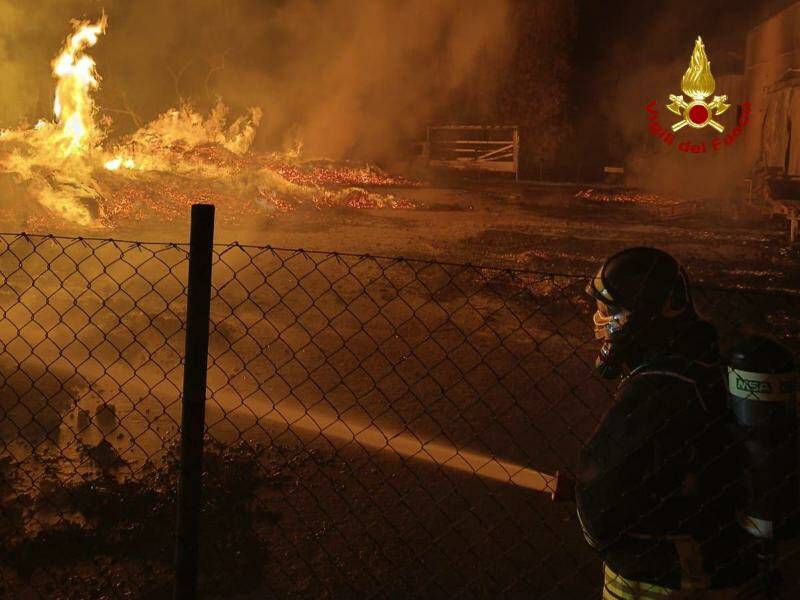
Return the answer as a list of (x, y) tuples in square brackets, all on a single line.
[(650, 370)]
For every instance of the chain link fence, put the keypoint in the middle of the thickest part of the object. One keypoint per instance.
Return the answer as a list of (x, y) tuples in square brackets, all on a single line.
[(91, 346), (375, 427)]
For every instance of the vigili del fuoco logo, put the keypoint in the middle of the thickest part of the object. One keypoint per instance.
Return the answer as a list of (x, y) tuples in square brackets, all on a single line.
[(695, 111)]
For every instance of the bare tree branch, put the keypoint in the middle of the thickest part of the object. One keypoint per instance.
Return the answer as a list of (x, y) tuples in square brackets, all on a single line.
[(126, 110), (214, 69), (176, 78)]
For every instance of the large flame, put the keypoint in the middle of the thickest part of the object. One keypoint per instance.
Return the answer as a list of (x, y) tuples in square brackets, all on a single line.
[(178, 158), (698, 82), (161, 144), (60, 159), (77, 78)]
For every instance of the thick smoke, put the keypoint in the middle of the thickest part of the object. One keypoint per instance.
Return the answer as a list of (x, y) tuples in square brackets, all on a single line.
[(653, 165), (347, 78)]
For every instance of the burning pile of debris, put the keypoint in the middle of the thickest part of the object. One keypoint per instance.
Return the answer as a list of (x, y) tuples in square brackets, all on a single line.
[(625, 196), (330, 173), (74, 177), (667, 207)]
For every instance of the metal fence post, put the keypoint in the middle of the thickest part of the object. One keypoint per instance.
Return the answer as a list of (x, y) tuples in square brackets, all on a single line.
[(198, 308)]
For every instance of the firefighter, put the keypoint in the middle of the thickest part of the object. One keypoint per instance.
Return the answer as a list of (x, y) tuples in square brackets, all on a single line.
[(659, 486)]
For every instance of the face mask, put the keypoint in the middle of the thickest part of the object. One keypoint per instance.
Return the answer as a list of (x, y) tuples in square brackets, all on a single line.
[(608, 323)]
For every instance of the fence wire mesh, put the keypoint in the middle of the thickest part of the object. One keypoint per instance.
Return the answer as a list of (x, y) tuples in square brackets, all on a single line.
[(376, 427), (91, 344)]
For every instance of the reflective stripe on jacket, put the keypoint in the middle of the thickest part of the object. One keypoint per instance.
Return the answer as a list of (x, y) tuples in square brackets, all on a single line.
[(617, 587)]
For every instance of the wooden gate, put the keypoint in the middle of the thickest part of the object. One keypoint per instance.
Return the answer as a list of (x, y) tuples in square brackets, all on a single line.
[(474, 147)]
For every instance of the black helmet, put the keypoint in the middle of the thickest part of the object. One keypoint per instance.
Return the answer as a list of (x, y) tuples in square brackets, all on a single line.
[(638, 291)]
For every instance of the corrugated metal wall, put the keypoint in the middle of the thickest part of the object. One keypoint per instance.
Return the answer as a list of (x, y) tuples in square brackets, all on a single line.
[(780, 139), (773, 52)]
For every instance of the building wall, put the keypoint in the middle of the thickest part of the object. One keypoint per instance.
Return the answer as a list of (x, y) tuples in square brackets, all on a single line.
[(772, 52)]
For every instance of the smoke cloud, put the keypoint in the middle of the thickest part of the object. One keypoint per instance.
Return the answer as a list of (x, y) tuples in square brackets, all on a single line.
[(347, 78), (651, 164)]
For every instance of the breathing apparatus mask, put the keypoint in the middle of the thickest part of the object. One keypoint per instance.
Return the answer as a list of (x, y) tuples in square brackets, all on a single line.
[(609, 326), (639, 291)]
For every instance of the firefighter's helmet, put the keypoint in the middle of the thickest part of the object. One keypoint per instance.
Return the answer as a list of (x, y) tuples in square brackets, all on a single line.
[(637, 291)]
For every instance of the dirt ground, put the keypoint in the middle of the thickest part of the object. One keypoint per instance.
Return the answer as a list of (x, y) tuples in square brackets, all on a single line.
[(507, 224), (543, 228), (399, 376)]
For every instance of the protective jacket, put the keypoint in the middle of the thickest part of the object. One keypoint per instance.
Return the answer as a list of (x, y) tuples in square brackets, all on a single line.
[(659, 482)]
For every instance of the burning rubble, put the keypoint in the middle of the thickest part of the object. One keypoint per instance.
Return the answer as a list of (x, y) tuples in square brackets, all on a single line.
[(75, 176), (626, 196), (660, 205)]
